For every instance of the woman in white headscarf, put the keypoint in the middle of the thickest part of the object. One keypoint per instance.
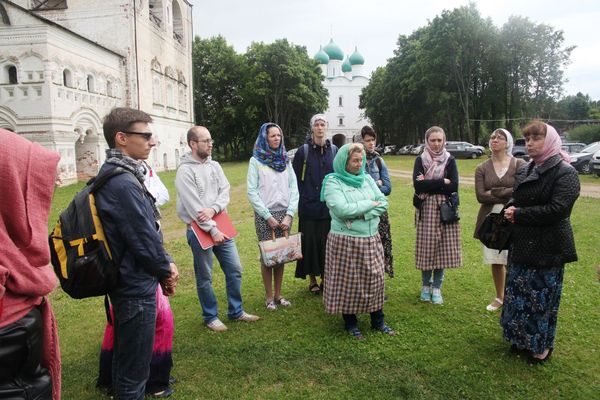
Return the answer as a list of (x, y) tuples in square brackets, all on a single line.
[(435, 177), (494, 180)]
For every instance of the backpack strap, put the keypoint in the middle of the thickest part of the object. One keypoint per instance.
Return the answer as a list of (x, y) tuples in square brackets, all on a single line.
[(378, 162), (98, 181), (305, 155)]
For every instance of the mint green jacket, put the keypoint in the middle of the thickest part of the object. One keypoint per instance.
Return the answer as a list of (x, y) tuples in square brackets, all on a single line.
[(351, 209)]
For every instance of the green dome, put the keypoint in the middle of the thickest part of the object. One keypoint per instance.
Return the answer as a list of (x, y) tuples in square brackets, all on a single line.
[(356, 58), (334, 51), (321, 56), (346, 66)]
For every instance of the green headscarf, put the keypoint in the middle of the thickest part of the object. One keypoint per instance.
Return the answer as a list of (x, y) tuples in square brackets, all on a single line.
[(339, 170)]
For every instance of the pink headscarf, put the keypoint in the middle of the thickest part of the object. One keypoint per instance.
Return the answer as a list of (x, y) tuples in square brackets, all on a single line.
[(28, 172), (552, 146), (434, 163)]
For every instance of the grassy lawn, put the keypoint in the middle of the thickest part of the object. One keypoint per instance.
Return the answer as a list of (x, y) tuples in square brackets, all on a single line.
[(453, 351)]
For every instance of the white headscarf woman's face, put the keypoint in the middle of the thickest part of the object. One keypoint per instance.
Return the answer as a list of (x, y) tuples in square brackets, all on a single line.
[(504, 140)]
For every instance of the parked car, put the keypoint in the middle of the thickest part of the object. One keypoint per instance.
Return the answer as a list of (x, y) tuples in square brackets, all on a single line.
[(417, 149), (595, 163), (391, 149), (519, 149), (405, 149), (462, 151), (581, 160), (467, 144), (573, 147)]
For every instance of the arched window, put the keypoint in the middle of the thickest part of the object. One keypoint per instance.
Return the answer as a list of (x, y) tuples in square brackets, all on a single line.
[(156, 94), (170, 95), (109, 88), (12, 75), (91, 84), (177, 23), (67, 78), (155, 12)]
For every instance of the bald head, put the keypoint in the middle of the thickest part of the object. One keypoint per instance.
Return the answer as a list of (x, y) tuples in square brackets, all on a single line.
[(197, 133)]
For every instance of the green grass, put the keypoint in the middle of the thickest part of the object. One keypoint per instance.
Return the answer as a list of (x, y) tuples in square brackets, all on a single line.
[(454, 351)]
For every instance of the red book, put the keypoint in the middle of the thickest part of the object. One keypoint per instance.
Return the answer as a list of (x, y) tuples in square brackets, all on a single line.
[(224, 224)]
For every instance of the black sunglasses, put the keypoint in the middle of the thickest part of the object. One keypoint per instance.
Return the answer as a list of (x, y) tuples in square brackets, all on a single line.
[(146, 135)]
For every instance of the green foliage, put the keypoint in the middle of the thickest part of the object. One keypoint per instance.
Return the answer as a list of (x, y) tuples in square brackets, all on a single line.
[(585, 133), (455, 351), (460, 70), (234, 94)]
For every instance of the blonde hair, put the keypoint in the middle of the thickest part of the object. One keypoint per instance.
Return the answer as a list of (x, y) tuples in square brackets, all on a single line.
[(355, 148)]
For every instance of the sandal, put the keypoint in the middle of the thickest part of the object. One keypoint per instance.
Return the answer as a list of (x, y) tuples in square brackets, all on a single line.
[(270, 304), (387, 330), (494, 307), (283, 302), (355, 333), (314, 288)]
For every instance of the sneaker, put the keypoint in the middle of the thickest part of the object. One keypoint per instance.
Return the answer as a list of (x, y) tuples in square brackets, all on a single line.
[(270, 304), (245, 317), (425, 294), (216, 325), (436, 297), (283, 302)]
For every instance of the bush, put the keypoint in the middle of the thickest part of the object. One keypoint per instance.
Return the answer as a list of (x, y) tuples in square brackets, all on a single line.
[(585, 133)]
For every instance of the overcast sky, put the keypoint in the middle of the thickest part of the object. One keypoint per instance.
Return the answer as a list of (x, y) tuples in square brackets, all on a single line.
[(374, 25)]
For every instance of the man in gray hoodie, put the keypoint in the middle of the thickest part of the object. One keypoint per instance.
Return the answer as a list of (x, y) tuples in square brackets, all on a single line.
[(203, 192)]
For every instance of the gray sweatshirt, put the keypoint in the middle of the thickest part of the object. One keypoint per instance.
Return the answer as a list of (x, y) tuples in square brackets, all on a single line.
[(200, 185)]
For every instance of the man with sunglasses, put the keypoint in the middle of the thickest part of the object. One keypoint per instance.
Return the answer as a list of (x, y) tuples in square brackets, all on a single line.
[(129, 217), (203, 192)]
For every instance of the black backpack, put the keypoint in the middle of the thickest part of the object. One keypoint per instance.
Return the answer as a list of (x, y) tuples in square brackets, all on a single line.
[(79, 250)]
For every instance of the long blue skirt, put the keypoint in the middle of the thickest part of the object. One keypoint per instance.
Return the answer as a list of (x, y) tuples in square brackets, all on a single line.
[(530, 311)]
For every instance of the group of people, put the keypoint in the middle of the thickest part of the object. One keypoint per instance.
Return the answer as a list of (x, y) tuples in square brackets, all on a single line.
[(339, 195)]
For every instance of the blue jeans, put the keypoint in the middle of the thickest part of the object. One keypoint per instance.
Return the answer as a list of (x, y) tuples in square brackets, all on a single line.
[(438, 278), (134, 321), (230, 263)]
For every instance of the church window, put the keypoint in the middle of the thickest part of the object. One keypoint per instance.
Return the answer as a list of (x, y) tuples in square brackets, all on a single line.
[(170, 96), (109, 88), (4, 20), (12, 74), (177, 23), (155, 9), (341, 101), (67, 78), (340, 121), (91, 85), (156, 95), (48, 4)]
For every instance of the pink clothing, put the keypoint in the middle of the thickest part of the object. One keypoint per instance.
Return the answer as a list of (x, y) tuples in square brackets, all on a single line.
[(552, 146), (435, 163), (27, 171)]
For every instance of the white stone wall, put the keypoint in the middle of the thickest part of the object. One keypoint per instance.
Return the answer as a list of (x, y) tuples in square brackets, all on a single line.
[(349, 112)]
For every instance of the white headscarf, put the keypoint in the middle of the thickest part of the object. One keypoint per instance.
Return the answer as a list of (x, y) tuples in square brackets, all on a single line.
[(318, 117), (509, 140)]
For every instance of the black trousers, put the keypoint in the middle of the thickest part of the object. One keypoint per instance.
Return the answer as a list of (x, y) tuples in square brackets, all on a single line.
[(351, 322), (21, 375)]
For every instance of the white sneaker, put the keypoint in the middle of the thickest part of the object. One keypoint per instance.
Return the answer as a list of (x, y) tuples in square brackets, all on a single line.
[(216, 325), (245, 317)]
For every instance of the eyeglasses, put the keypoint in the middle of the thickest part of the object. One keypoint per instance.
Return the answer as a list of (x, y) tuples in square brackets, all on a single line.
[(497, 137), (146, 135), (205, 141)]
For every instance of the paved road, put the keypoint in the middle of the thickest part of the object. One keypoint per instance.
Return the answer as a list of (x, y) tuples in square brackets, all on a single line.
[(587, 190)]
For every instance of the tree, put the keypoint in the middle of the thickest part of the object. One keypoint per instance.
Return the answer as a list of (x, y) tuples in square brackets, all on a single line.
[(285, 86), (218, 80)]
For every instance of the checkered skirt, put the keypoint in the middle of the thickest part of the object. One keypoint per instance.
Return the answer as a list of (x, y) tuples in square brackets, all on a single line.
[(438, 245), (354, 272)]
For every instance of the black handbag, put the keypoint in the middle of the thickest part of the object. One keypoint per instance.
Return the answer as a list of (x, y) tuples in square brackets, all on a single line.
[(21, 375), (449, 209), (495, 231)]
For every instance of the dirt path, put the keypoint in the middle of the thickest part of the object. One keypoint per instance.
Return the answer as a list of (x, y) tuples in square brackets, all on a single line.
[(587, 190)]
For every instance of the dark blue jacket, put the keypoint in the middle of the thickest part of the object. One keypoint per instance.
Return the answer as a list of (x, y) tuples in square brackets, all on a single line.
[(125, 210), (319, 162)]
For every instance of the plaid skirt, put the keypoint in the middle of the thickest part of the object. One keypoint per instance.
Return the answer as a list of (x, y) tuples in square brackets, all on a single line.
[(354, 274), (438, 245)]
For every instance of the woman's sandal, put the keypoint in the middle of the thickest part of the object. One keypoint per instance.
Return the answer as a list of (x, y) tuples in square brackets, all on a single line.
[(492, 307), (387, 330), (356, 334), (270, 304), (534, 360), (314, 288), (283, 302)]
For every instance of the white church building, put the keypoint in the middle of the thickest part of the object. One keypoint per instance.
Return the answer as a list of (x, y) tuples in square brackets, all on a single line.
[(64, 64), (344, 80)]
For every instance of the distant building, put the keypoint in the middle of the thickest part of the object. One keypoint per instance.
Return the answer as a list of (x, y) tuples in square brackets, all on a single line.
[(65, 63), (344, 79)]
